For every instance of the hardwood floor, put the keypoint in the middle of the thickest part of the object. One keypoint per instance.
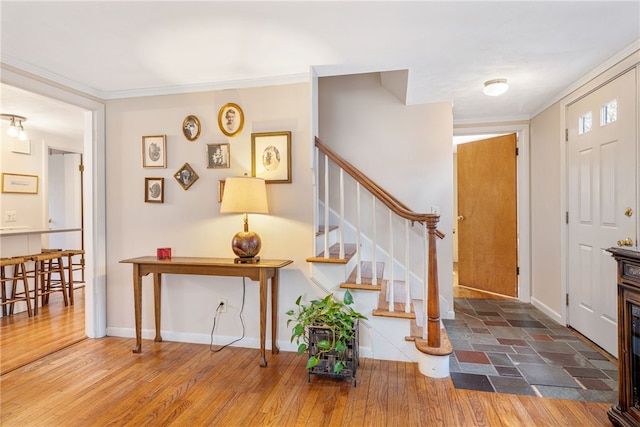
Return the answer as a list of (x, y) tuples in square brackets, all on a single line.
[(24, 339), (96, 382)]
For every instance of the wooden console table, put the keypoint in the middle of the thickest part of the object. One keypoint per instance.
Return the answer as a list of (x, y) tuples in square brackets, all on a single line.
[(263, 271)]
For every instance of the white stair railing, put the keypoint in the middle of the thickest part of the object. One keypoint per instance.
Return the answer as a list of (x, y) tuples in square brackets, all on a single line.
[(421, 240)]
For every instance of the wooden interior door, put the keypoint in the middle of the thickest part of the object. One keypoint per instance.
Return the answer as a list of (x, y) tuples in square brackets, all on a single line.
[(487, 215)]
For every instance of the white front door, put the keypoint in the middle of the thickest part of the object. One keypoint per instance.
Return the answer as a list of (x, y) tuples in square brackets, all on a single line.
[(602, 177)]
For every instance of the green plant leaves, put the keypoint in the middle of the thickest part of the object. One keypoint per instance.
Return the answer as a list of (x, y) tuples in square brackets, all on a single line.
[(336, 316), (313, 361), (302, 348)]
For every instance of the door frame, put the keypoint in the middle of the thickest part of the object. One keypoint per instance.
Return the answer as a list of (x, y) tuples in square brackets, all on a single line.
[(523, 196), (582, 90), (95, 194)]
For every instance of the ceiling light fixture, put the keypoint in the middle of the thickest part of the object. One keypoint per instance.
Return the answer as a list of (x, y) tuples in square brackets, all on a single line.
[(15, 129), (495, 87)]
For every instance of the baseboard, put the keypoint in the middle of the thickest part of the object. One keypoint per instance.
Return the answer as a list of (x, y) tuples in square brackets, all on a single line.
[(246, 342), (548, 311)]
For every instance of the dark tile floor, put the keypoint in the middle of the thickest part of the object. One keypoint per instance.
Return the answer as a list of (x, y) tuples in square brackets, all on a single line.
[(506, 346)]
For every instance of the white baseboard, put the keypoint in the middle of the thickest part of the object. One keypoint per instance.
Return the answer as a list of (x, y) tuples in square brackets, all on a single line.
[(246, 342), (548, 311)]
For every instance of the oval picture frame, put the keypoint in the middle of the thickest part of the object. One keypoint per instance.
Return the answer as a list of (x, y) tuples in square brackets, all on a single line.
[(191, 128), (230, 119)]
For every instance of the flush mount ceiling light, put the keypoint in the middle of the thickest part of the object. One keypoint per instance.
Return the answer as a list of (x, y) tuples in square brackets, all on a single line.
[(495, 87), (15, 129)]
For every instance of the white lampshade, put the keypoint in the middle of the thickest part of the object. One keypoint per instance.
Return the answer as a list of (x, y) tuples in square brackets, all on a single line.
[(244, 194), (495, 87)]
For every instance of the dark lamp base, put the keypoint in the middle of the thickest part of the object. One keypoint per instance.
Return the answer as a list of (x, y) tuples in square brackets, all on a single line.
[(247, 260), (246, 244)]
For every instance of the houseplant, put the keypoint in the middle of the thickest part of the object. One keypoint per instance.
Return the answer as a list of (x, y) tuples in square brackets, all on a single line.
[(328, 329)]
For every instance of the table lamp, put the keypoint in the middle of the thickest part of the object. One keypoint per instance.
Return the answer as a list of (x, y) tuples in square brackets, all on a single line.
[(245, 195)]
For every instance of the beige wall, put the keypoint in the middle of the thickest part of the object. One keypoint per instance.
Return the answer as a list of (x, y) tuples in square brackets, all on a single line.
[(407, 150), (546, 208), (189, 221)]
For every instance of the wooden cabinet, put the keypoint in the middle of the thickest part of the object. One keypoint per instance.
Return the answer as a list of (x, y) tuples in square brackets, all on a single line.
[(627, 411)]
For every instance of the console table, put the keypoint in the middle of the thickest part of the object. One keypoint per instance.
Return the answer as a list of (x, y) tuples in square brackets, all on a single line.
[(260, 272)]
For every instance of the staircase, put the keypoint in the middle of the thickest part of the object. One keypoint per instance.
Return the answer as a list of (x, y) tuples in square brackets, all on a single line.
[(371, 243)]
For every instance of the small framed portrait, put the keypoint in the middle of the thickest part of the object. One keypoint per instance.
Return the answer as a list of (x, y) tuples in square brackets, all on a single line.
[(154, 151), (154, 190), (186, 176), (217, 156), (230, 119), (271, 156), (191, 128)]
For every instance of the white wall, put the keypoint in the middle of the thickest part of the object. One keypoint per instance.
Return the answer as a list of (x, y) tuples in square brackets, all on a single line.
[(30, 209), (546, 207), (407, 150), (189, 221)]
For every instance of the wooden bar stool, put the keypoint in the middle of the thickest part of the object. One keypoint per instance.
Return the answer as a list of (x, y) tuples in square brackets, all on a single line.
[(73, 265), (46, 265), (19, 274)]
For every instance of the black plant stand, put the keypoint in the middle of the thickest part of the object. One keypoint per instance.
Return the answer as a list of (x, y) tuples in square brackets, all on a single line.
[(328, 360)]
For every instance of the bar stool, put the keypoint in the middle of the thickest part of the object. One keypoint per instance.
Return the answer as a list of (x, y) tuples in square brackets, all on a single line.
[(45, 266), (19, 274), (71, 266)]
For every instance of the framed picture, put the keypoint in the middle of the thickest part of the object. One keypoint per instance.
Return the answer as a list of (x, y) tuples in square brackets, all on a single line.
[(271, 156), (221, 189), (191, 128), (18, 183), (186, 176), (217, 156), (154, 151), (230, 119), (154, 190)]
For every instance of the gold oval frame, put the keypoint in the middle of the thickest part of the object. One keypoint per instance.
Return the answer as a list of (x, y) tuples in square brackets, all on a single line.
[(222, 113), (184, 128)]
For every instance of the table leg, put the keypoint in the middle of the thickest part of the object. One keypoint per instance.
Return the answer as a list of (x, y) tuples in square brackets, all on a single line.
[(157, 282), (137, 305), (274, 313), (264, 284)]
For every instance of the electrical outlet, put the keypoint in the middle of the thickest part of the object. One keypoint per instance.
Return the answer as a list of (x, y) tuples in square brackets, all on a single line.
[(435, 210), (222, 303)]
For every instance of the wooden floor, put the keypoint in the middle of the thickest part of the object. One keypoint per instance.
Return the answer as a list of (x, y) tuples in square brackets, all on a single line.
[(99, 382), (24, 339)]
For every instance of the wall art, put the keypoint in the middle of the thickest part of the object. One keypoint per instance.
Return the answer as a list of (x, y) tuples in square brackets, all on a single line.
[(186, 176), (230, 119), (271, 156), (18, 183), (154, 190), (191, 128), (154, 151), (218, 156)]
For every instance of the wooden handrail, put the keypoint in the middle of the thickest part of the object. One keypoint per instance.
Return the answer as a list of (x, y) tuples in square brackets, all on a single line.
[(381, 194)]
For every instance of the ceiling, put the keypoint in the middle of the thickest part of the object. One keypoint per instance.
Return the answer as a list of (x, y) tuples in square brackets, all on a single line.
[(122, 49)]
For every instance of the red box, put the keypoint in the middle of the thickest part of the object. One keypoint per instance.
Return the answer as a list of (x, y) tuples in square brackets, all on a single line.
[(164, 253)]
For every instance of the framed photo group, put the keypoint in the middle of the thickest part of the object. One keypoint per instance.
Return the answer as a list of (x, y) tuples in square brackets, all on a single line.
[(270, 156)]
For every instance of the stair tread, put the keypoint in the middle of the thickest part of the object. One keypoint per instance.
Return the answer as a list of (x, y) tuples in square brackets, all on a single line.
[(334, 254), (397, 314), (321, 229), (361, 286)]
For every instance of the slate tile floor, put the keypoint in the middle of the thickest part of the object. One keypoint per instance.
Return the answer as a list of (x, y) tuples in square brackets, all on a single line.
[(506, 346)]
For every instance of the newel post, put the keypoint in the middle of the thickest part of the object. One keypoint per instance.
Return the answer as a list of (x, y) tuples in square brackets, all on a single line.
[(433, 309)]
